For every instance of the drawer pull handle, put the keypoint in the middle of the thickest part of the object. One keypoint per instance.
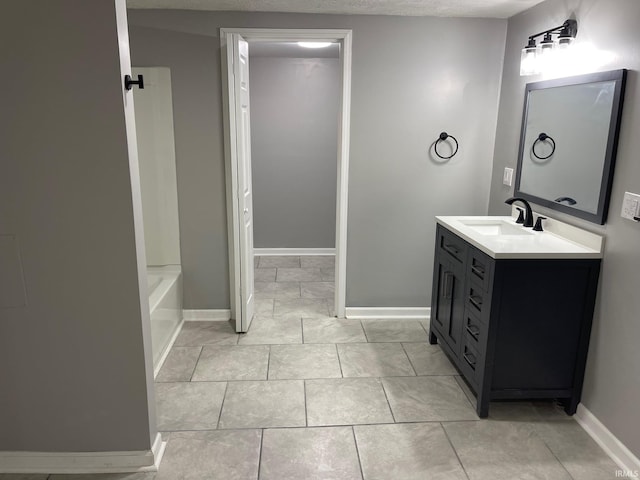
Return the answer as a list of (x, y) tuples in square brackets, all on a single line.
[(473, 331), (451, 249), (470, 359), (478, 270), (476, 301)]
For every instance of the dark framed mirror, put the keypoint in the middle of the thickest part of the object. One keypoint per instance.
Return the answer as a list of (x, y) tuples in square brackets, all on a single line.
[(568, 143)]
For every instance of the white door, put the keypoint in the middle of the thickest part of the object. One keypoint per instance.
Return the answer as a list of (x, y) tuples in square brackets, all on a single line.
[(240, 60)]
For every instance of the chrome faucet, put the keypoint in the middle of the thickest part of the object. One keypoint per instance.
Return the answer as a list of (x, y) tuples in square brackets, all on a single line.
[(528, 218)]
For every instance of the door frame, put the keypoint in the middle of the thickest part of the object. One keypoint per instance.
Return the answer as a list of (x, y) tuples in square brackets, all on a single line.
[(344, 37)]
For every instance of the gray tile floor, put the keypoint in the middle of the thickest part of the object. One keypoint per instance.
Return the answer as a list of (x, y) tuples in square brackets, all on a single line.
[(306, 396)]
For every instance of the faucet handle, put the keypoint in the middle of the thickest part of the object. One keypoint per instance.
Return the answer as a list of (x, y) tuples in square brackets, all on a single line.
[(520, 215), (538, 226)]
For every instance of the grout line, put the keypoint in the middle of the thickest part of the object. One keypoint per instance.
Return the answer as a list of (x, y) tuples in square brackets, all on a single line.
[(364, 331), (260, 454), (387, 399), (454, 449), (460, 421), (224, 397), (535, 432), (417, 422), (363, 343), (423, 328), (464, 390), (409, 358), (235, 380), (306, 419), (196, 364), (355, 441), (339, 361), (268, 361), (302, 329)]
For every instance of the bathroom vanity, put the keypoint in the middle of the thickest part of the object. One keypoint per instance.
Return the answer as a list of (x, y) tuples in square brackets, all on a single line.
[(512, 307)]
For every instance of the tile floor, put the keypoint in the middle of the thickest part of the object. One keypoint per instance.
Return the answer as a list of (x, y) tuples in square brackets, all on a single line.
[(305, 396)]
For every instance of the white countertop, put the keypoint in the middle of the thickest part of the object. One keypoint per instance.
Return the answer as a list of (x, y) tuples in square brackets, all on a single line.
[(558, 240)]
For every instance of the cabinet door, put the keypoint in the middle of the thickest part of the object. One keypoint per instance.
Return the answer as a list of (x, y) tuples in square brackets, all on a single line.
[(449, 306)]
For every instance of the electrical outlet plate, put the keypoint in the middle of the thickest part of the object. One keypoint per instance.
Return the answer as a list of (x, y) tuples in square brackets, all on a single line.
[(630, 206), (507, 178)]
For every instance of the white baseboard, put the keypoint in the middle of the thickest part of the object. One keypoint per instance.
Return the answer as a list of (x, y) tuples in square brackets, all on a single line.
[(296, 252), (211, 315), (84, 462), (613, 447), (167, 349), (417, 313)]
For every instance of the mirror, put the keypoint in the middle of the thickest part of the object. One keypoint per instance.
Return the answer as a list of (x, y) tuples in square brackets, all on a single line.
[(568, 143)]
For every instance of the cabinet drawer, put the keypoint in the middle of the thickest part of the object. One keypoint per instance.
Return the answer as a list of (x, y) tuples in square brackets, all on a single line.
[(470, 362), (477, 301), (451, 245), (480, 269), (475, 332)]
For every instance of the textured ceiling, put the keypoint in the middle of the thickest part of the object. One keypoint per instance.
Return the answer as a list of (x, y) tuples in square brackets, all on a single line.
[(442, 8)]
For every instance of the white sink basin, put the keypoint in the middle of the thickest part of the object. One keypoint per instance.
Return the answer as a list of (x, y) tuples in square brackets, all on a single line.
[(501, 237), (495, 227)]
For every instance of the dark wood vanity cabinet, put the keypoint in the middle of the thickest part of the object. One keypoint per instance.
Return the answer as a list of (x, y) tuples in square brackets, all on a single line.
[(450, 277), (515, 328)]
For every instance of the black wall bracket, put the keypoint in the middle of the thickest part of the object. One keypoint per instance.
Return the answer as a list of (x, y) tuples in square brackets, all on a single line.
[(129, 82)]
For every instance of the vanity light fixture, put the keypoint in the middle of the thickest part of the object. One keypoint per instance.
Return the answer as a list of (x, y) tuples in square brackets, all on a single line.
[(538, 58)]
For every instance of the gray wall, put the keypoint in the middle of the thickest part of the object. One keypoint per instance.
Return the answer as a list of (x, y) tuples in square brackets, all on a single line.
[(412, 78), (612, 383), (197, 118), (294, 149), (72, 360)]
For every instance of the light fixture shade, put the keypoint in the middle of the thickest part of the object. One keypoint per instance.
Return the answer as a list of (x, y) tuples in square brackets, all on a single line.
[(565, 42), (528, 60), (547, 55), (564, 56)]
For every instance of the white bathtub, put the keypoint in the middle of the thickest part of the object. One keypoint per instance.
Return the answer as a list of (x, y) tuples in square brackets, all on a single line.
[(165, 305)]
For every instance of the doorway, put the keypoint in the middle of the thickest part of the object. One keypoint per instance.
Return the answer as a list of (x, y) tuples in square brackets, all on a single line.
[(235, 55)]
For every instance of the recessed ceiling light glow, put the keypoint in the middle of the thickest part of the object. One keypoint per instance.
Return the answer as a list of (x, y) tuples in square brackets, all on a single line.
[(314, 44)]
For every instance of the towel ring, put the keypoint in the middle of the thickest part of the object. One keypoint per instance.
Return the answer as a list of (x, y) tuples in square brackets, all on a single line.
[(443, 136), (543, 137)]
